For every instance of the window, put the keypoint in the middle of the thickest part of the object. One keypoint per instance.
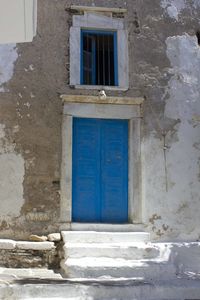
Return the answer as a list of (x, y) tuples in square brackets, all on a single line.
[(99, 58), (98, 52)]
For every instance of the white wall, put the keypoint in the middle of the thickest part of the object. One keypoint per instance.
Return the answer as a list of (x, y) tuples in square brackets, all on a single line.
[(172, 187), (17, 20)]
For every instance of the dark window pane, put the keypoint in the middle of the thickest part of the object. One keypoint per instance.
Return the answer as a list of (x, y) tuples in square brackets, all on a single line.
[(98, 59), (87, 77), (104, 60)]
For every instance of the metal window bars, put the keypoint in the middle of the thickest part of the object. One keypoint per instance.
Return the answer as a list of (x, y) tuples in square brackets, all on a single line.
[(99, 63)]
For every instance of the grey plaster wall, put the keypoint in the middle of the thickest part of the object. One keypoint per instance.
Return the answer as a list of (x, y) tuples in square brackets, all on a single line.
[(164, 61)]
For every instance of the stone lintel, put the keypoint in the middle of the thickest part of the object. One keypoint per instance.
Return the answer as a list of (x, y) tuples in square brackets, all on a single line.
[(97, 9), (97, 100)]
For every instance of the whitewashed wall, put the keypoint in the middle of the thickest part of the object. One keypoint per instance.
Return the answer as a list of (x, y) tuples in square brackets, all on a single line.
[(17, 20)]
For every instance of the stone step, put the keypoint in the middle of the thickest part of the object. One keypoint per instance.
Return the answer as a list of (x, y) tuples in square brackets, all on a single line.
[(104, 237), (25, 273), (94, 267), (119, 289), (6, 244), (114, 250), (102, 227)]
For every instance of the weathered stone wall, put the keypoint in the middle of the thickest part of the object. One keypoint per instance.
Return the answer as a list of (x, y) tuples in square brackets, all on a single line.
[(169, 68), (30, 117), (22, 254), (164, 68)]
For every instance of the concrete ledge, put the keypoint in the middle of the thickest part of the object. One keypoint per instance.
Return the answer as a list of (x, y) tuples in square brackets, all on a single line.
[(35, 245), (7, 244), (25, 245), (100, 87)]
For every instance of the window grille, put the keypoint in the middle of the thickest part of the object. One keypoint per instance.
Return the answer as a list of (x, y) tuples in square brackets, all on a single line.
[(99, 58)]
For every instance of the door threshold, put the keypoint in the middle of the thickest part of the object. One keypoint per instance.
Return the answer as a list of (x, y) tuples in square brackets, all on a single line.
[(106, 227)]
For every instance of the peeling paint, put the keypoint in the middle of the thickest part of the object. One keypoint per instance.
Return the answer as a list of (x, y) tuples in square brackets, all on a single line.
[(2, 131), (5, 145), (11, 177), (11, 184), (184, 93), (8, 57), (179, 205), (165, 227), (175, 7), (154, 218)]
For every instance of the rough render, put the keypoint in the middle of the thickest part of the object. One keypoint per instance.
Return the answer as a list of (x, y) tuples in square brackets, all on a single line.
[(11, 179), (164, 63), (175, 7)]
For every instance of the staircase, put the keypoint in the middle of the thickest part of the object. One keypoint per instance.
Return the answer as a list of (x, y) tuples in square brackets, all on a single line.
[(111, 255), (109, 265)]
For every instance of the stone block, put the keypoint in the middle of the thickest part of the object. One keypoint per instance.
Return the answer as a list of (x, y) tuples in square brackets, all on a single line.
[(54, 237), (35, 245), (37, 238), (7, 244)]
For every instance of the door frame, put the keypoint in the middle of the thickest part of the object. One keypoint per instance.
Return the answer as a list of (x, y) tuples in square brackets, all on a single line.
[(132, 113)]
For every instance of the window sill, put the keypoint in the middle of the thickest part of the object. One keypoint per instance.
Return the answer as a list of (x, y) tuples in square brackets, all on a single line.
[(99, 87)]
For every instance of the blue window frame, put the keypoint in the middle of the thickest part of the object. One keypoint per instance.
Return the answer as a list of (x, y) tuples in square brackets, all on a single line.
[(99, 58)]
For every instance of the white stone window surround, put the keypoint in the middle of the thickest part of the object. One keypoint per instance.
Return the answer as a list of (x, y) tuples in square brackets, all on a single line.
[(111, 111), (98, 21)]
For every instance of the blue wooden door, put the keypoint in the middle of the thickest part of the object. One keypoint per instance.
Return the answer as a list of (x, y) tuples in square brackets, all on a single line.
[(100, 171)]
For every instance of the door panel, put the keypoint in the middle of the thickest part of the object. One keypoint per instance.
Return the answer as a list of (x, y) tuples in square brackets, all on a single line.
[(100, 170), (85, 171), (114, 166)]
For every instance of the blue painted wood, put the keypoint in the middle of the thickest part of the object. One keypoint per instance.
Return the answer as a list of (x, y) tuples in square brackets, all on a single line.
[(85, 170), (100, 171), (114, 171)]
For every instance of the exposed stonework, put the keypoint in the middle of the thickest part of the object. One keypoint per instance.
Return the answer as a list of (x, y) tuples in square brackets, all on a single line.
[(54, 237), (23, 254)]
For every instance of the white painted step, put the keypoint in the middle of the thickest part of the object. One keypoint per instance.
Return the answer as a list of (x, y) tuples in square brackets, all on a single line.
[(114, 250), (130, 290), (106, 227), (95, 267), (32, 273), (104, 237)]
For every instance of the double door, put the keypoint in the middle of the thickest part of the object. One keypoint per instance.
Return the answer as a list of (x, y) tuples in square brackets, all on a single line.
[(100, 171)]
